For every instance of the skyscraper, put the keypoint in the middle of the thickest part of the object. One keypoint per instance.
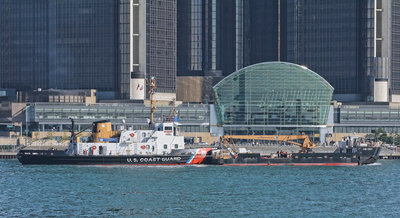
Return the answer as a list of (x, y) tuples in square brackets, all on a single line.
[(124, 26), (327, 37), (354, 45), (83, 44), (220, 37), (395, 50), (24, 62), (154, 44), (60, 44), (93, 44)]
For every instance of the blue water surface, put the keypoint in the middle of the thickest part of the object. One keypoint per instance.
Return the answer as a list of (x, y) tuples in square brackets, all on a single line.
[(200, 191)]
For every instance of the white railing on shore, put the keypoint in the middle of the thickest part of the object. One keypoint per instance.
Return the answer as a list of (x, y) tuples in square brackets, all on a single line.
[(9, 148)]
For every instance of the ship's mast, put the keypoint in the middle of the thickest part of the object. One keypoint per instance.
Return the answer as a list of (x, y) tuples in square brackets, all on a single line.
[(173, 116), (72, 129), (173, 112), (152, 107)]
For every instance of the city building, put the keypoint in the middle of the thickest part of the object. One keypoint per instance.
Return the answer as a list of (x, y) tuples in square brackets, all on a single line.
[(190, 88), (354, 45), (60, 44), (196, 88), (24, 58), (193, 120), (327, 37), (394, 52), (220, 37), (7, 94), (273, 98), (367, 118), (154, 42), (216, 38), (12, 118), (92, 44), (265, 98), (58, 96)]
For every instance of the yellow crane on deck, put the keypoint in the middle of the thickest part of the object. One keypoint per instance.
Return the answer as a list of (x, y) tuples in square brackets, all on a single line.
[(305, 145)]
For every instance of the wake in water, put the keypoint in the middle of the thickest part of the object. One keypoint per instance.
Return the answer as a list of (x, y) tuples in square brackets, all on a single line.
[(374, 164), (200, 165)]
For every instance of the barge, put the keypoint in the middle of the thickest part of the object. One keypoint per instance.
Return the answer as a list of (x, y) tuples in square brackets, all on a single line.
[(350, 153)]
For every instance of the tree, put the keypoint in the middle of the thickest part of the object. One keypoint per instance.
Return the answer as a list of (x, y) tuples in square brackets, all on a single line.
[(378, 133), (382, 136), (65, 137), (36, 135), (49, 135), (396, 139)]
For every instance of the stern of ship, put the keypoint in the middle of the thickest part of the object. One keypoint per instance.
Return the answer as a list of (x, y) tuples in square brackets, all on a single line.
[(368, 155)]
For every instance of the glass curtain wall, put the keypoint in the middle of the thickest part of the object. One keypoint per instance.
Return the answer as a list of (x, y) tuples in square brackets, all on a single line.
[(190, 117), (273, 94)]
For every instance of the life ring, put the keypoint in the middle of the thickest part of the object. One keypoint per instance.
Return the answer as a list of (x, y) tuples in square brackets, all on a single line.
[(94, 147), (132, 135)]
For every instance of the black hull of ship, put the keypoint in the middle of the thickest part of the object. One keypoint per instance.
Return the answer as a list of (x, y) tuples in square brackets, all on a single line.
[(362, 156), (47, 157)]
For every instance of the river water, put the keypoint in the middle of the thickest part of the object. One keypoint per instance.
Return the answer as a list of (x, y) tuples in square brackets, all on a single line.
[(200, 191)]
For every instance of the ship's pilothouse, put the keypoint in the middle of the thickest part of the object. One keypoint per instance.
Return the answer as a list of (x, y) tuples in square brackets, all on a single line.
[(160, 141)]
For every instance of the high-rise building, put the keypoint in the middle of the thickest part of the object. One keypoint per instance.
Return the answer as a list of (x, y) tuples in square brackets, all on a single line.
[(154, 43), (124, 48), (113, 45), (60, 44), (395, 49), (24, 62), (327, 37), (354, 45), (83, 44), (217, 38), (220, 37), (95, 44), (191, 38)]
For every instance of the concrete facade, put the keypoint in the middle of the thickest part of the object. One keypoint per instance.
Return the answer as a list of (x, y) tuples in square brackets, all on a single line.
[(189, 88)]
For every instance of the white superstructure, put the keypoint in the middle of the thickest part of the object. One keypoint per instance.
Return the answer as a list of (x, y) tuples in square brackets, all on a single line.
[(160, 141)]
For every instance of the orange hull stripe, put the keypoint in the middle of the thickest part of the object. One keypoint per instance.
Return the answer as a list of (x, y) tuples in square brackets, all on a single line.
[(199, 158)]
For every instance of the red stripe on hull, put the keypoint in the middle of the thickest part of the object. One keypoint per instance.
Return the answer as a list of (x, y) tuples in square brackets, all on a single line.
[(327, 164), (200, 156), (294, 164)]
